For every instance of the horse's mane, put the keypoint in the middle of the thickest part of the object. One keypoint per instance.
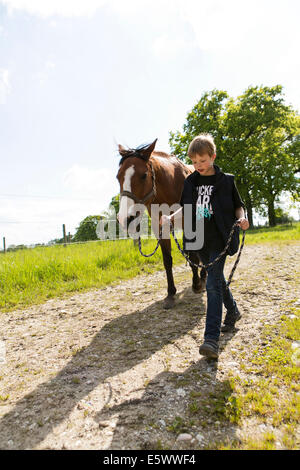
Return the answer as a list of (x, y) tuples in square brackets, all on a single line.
[(137, 152)]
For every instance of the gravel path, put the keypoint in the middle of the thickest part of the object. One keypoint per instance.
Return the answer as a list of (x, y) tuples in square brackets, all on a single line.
[(111, 369)]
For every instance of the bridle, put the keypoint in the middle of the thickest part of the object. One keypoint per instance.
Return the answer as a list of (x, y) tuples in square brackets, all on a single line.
[(148, 196)]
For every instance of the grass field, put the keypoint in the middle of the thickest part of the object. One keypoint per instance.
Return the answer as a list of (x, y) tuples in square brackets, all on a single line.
[(33, 276), (278, 234), (273, 398)]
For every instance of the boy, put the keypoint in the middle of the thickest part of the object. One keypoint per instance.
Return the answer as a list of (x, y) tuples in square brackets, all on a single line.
[(215, 198)]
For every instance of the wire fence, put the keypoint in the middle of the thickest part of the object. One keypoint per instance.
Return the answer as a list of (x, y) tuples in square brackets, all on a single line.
[(116, 235)]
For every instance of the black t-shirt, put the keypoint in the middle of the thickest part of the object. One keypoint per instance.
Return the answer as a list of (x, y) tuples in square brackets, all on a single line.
[(197, 191), (204, 186)]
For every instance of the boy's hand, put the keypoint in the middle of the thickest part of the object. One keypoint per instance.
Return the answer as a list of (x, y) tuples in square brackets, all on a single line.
[(165, 219), (243, 223)]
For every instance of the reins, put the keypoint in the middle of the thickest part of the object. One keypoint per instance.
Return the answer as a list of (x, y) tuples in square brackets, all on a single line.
[(200, 266), (155, 249)]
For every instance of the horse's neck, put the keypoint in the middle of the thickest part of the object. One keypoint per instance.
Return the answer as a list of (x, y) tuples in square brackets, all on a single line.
[(170, 174), (163, 160), (165, 165)]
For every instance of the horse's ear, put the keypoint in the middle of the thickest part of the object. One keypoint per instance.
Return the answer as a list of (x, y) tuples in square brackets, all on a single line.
[(122, 149), (146, 152)]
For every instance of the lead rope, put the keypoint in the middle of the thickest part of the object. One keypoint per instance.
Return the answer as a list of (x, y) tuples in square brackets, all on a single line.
[(209, 265), (200, 266), (151, 254)]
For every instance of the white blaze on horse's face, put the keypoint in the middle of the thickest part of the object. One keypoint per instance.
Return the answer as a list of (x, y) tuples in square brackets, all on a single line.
[(126, 203)]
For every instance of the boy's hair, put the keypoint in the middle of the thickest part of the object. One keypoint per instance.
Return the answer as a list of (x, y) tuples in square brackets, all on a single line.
[(203, 143)]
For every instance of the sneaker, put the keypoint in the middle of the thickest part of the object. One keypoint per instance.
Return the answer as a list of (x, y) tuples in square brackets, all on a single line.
[(230, 321), (210, 349)]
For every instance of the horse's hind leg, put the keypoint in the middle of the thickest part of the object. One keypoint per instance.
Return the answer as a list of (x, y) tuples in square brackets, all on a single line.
[(168, 262), (203, 276), (198, 284)]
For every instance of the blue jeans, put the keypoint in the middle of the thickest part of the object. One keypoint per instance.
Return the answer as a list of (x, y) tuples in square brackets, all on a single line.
[(217, 294)]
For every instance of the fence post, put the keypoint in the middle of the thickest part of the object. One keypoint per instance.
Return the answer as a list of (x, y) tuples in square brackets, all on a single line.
[(64, 235), (4, 245)]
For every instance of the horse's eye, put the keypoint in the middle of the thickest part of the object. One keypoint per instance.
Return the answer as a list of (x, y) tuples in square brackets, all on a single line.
[(144, 176)]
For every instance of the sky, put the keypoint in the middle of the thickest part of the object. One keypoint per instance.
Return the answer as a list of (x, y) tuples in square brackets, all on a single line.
[(78, 77)]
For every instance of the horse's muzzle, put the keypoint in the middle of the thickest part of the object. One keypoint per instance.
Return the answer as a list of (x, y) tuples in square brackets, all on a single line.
[(125, 222)]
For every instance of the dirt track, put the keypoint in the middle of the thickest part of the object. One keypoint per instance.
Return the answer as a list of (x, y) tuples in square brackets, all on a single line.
[(111, 369)]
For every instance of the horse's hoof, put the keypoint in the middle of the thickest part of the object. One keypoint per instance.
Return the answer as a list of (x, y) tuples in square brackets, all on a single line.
[(199, 287), (169, 302)]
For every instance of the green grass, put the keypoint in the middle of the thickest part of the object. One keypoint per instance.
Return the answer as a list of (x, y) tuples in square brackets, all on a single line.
[(273, 398), (32, 276), (278, 234), (267, 393)]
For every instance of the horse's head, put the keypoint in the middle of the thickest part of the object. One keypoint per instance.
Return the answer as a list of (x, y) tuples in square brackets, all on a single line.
[(135, 178)]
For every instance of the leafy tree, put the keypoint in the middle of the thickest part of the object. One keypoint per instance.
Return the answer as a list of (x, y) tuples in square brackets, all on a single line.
[(115, 203), (206, 116), (115, 207), (112, 212), (282, 217), (260, 129), (56, 241), (87, 229), (257, 139), (16, 247)]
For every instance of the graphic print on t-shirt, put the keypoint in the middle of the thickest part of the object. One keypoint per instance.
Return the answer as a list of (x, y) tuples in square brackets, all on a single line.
[(203, 208)]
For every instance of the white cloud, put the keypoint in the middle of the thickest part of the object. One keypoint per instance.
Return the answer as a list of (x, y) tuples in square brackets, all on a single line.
[(5, 86), (49, 65), (39, 219), (32, 220), (221, 25), (167, 47), (216, 24), (247, 43), (46, 8), (43, 75), (152, 10), (99, 183)]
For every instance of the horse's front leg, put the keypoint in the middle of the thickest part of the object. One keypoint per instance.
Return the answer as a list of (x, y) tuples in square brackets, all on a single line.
[(199, 283), (168, 262)]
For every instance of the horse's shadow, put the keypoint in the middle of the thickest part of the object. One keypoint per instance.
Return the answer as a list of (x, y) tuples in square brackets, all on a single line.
[(121, 344)]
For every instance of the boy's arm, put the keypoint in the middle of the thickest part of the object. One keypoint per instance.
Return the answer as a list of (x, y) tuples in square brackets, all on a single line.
[(239, 208), (242, 221), (178, 214)]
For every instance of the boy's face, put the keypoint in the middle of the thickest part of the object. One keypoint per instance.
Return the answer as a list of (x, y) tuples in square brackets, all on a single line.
[(204, 164)]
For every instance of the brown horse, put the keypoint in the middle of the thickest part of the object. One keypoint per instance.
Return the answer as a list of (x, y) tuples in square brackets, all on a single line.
[(150, 177)]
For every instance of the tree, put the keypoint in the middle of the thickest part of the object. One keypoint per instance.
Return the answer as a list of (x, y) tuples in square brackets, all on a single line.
[(260, 129), (87, 229), (257, 139), (113, 210), (115, 203), (282, 217), (206, 116)]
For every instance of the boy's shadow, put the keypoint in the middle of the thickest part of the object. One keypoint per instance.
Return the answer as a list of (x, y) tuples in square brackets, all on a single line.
[(119, 346), (193, 402)]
